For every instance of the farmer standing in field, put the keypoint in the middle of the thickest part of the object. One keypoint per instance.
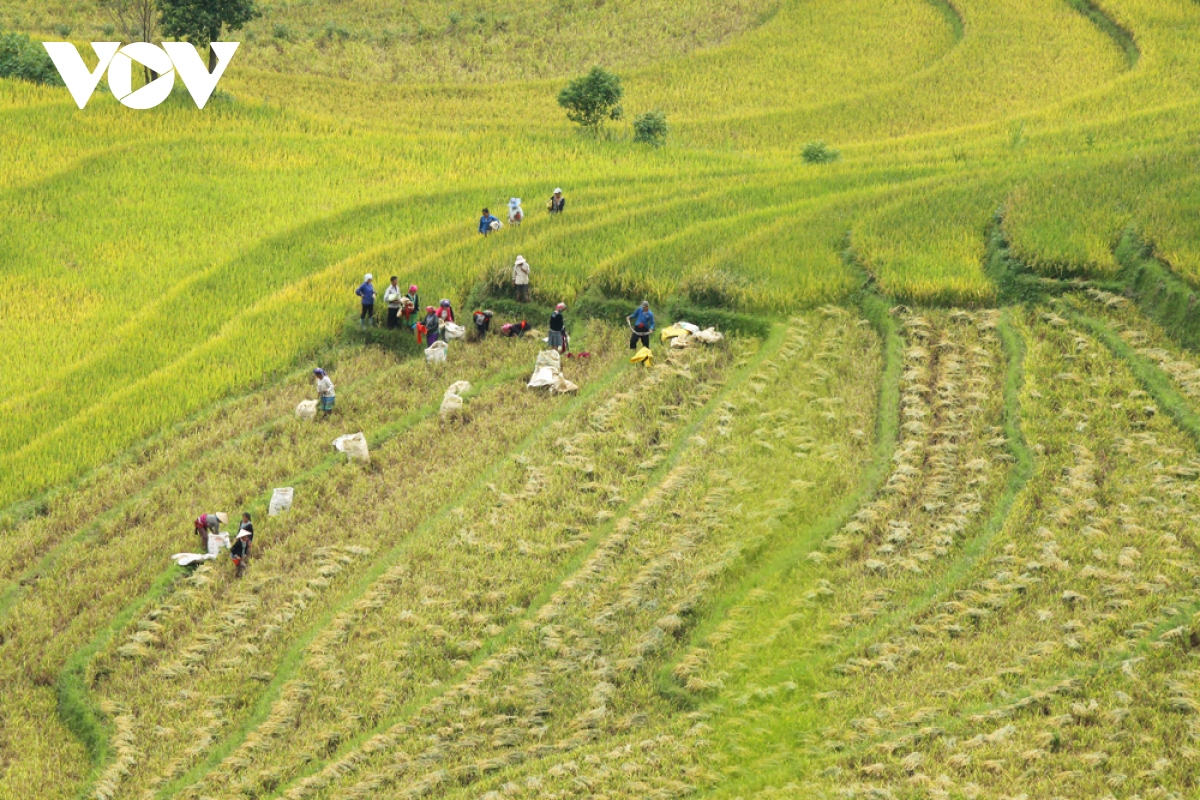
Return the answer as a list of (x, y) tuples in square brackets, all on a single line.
[(641, 325), (515, 212), (412, 302), (367, 292), (240, 552), (557, 340), (209, 525), (488, 223), (395, 300), (325, 394), (431, 325), (557, 202), (521, 279), (445, 311)]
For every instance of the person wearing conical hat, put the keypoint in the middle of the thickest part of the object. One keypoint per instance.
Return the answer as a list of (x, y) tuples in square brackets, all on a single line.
[(209, 524)]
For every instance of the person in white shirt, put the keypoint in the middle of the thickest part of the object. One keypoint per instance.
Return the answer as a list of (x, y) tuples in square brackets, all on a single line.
[(521, 279), (394, 299), (325, 395)]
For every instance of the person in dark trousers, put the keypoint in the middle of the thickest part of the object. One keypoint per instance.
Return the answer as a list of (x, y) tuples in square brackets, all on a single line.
[(412, 302), (557, 340), (209, 525), (483, 323), (431, 325), (521, 279), (367, 292), (557, 202), (240, 551), (395, 300), (485, 222), (514, 329), (641, 325)]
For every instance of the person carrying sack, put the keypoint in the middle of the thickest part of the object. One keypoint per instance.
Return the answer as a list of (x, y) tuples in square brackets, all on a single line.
[(641, 325), (521, 279), (488, 223)]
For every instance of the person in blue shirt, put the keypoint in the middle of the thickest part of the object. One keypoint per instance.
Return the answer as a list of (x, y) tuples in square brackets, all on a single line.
[(485, 222), (641, 324), (367, 293)]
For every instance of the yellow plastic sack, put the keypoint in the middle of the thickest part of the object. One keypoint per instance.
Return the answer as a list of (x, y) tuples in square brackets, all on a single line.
[(672, 332), (643, 356)]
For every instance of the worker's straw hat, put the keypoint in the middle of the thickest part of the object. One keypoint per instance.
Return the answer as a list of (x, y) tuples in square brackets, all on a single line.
[(222, 518)]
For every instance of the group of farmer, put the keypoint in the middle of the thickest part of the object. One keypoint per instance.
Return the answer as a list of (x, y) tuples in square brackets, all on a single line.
[(209, 525)]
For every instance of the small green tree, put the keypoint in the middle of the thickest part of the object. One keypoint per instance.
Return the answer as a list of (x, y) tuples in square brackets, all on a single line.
[(23, 58), (593, 98), (201, 21), (819, 153), (650, 128)]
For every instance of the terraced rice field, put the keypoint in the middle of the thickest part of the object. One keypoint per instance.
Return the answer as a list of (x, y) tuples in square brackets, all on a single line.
[(923, 525)]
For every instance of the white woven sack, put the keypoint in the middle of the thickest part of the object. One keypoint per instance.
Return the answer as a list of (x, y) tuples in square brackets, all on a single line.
[(453, 330), (436, 352), (549, 358), (281, 500), (307, 409)]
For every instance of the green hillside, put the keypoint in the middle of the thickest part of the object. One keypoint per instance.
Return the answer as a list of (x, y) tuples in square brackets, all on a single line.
[(921, 526)]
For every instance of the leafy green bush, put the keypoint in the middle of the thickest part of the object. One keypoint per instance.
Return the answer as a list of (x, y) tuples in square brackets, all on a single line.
[(650, 128), (593, 98), (819, 153), (23, 58)]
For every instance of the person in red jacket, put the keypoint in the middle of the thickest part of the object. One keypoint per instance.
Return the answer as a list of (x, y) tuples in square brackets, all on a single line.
[(445, 311)]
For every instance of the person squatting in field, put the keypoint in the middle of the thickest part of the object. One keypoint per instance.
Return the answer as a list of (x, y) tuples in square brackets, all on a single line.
[(209, 525), (325, 394), (483, 323), (557, 340), (395, 302), (367, 292), (521, 279), (641, 325), (431, 325), (240, 551), (488, 223)]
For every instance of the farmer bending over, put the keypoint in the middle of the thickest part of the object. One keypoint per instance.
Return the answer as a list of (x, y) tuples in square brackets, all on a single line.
[(209, 525)]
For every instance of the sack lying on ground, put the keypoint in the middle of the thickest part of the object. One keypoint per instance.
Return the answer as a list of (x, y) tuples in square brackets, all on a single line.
[(680, 342), (673, 331), (549, 358), (563, 386), (453, 330), (354, 445), (451, 403), (643, 356), (544, 376), (215, 542), (281, 500), (709, 336), (459, 387), (436, 352), (307, 409), (689, 327)]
